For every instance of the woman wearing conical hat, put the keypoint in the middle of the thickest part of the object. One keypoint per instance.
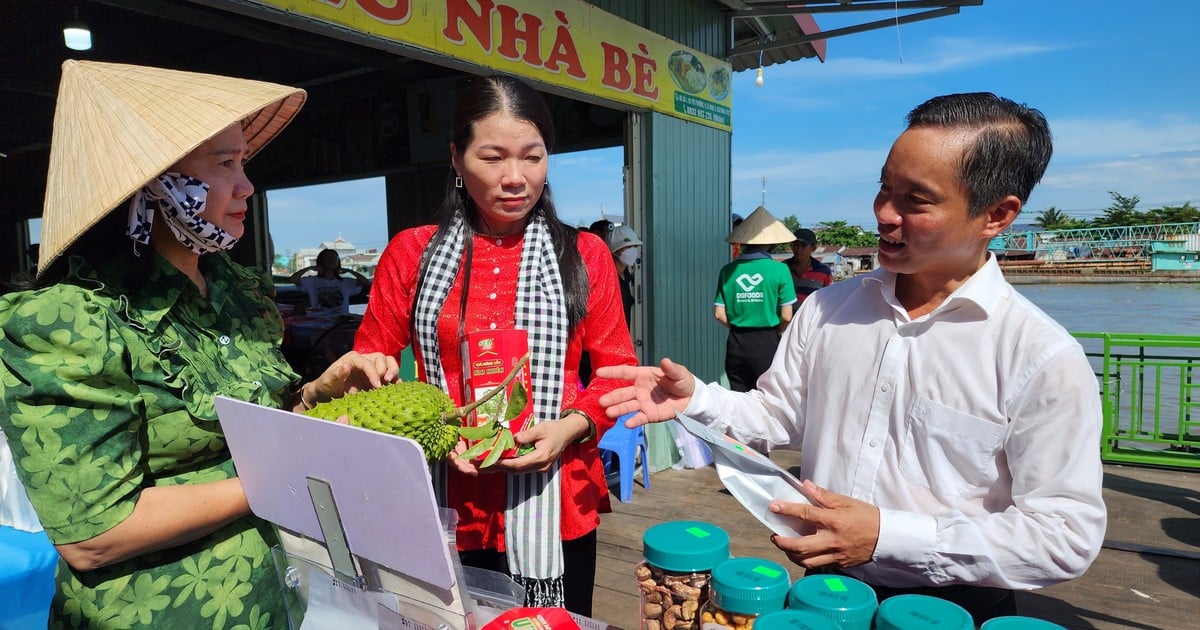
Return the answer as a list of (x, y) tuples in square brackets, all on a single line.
[(754, 298), (136, 320)]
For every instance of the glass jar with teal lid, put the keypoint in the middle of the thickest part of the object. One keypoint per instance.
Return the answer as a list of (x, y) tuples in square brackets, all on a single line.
[(744, 589), (848, 601), (795, 620), (1017, 622), (676, 572), (920, 612)]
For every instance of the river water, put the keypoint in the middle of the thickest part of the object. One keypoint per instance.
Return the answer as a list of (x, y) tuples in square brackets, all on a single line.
[(1148, 308)]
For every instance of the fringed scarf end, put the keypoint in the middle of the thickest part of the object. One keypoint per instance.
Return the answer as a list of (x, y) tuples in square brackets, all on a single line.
[(547, 593)]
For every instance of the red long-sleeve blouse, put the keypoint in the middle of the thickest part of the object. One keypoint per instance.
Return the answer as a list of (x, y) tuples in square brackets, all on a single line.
[(603, 334)]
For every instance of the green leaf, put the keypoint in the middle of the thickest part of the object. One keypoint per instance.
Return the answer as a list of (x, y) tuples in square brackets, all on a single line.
[(497, 449), (485, 430), (478, 449), (516, 402), (504, 440)]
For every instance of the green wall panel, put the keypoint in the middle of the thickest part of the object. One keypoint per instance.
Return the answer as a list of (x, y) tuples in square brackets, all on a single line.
[(700, 24), (687, 220)]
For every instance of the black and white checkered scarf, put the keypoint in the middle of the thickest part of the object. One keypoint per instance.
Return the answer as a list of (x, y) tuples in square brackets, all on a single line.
[(533, 535), (179, 200)]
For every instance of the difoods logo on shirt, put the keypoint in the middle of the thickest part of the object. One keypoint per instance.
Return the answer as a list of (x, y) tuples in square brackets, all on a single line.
[(748, 283)]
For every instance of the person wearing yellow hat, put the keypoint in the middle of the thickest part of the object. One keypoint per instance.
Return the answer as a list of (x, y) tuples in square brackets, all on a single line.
[(136, 320), (754, 298)]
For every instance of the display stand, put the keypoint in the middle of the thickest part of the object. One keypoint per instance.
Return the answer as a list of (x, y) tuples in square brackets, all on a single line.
[(363, 542)]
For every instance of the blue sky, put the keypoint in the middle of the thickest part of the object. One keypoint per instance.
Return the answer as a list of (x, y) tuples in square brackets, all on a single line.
[(1118, 81)]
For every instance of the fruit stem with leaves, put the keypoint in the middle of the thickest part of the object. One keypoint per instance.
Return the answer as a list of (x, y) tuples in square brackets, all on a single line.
[(465, 410)]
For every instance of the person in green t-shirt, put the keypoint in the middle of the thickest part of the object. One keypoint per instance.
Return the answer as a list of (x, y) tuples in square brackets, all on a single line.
[(754, 298)]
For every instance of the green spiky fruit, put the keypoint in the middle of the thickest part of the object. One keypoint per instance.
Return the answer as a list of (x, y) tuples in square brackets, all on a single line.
[(424, 413), (411, 409)]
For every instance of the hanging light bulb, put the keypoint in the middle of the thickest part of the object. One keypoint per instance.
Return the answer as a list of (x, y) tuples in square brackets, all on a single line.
[(76, 34), (758, 80)]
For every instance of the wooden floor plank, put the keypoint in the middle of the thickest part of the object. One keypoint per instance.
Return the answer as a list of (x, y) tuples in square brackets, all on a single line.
[(1147, 576)]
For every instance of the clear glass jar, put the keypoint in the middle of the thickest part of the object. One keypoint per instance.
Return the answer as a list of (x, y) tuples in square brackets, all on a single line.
[(674, 577), (743, 589)]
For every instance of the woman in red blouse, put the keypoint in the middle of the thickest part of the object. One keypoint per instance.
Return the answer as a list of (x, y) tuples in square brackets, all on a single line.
[(499, 259)]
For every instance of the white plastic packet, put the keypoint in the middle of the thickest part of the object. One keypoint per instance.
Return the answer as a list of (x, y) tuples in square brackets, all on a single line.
[(693, 452), (15, 509), (752, 478)]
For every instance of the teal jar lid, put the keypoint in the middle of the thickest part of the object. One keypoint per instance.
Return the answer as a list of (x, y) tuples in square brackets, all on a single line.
[(749, 586), (1017, 622), (848, 601), (685, 546), (910, 612), (795, 620)]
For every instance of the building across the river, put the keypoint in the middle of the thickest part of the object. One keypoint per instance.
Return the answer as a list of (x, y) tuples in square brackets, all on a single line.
[(1134, 253), (363, 261)]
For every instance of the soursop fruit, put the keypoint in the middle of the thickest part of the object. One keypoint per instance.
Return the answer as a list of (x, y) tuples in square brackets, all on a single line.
[(424, 413), (412, 409)]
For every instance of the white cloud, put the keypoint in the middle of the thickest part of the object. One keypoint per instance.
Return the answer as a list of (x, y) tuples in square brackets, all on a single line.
[(1156, 158), (841, 184), (934, 56), (807, 167), (594, 158), (1076, 138), (1082, 186), (305, 216), (818, 186)]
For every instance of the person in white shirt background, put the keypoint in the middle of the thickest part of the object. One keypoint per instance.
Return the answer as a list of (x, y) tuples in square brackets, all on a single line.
[(966, 465), (329, 288)]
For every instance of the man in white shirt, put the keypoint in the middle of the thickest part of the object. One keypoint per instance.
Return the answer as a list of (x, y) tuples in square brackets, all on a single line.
[(949, 430)]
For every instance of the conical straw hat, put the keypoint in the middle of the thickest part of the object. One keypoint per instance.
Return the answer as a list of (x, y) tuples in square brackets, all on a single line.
[(118, 126), (760, 228)]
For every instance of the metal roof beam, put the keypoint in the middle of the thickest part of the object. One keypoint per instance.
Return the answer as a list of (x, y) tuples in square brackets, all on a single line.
[(835, 6), (849, 30), (774, 9)]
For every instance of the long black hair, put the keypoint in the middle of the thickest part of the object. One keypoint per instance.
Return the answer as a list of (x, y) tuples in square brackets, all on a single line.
[(476, 99), (105, 243)]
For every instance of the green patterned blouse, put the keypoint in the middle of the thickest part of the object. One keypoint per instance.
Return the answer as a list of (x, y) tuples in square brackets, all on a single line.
[(107, 392)]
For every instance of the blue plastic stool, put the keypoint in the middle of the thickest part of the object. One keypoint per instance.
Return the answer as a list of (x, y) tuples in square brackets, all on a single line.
[(625, 442), (27, 565)]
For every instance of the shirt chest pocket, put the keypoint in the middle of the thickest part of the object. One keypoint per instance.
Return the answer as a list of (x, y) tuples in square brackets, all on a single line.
[(948, 451)]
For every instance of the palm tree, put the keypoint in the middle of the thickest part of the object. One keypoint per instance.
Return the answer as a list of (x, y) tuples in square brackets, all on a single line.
[(1052, 219)]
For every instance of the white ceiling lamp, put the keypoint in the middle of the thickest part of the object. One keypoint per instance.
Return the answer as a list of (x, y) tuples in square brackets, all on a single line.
[(76, 34), (758, 79)]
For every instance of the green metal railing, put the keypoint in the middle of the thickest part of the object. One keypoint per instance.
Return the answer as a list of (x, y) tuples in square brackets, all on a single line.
[(1150, 392)]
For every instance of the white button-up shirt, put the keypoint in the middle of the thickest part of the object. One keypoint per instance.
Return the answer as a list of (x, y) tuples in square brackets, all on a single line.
[(975, 429)]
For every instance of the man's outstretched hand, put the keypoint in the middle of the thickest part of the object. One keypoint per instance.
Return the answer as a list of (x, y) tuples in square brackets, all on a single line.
[(656, 393)]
